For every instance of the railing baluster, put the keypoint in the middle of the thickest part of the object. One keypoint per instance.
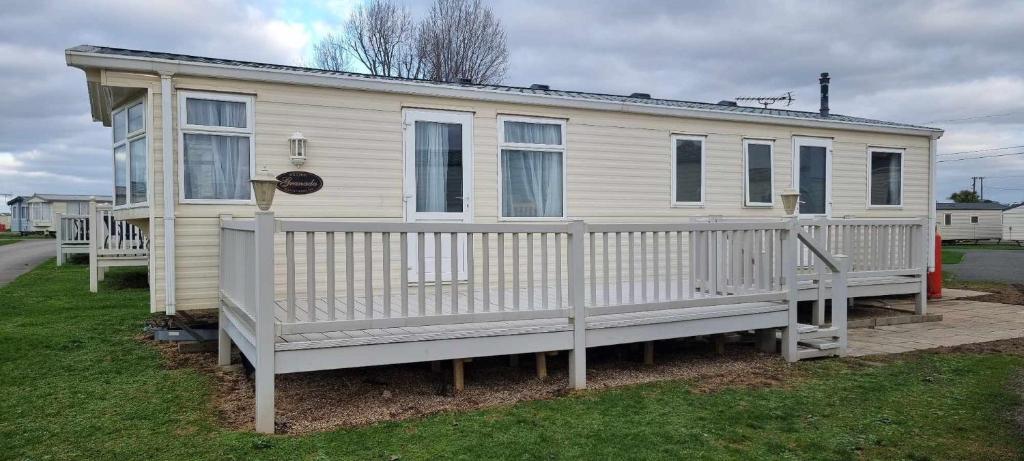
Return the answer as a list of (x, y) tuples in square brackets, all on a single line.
[(486, 239), (350, 280), (668, 265), (438, 274), (632, 272), (368, 272), (716, 238), (311, 276), (515, 271), (470, 269), (331, 292), (618, 266), (289, 250), (643, 266), (593, 268), (544, 282), (529, 271), (501, 271), (679, 265), (404, 271), (454, 269), (421, 274), (607, 275), (558, 271), (386, 272), (654, 266), (692, 238)]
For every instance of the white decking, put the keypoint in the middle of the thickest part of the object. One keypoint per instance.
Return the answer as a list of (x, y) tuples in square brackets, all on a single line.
[(704, 279)]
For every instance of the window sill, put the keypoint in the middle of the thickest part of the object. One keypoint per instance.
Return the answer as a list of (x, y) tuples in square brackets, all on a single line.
[(132, 206), (215, 202), (533, 219), (759, 205), (885, 207), (687, 205)]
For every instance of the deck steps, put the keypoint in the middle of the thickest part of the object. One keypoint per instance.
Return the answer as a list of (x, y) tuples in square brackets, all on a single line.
[(818, 341)]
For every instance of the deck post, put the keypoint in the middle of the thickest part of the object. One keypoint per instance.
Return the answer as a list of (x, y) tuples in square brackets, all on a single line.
[(265, 323), (820, 226), (790, 335), (919, 247), (578, 356), (765, 340), (223, 340), (60, 239), (94, 231), (839, 292)]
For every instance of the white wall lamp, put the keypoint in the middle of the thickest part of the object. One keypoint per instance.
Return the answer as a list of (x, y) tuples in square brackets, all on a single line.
[(297, 145), (789, 199), (263, 187)]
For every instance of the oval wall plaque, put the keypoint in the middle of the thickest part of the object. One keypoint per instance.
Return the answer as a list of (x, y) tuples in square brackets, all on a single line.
[(299, 182)]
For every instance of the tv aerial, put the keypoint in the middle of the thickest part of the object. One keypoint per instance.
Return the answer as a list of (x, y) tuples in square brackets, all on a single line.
[(769, 100)]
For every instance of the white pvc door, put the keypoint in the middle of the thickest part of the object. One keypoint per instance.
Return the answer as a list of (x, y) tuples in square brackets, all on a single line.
[(438, 183), (812, 168)]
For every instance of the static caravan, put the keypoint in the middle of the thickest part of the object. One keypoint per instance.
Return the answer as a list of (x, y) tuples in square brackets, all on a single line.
[(417, 220), (970, 221), (38, 212), (1013, 223)]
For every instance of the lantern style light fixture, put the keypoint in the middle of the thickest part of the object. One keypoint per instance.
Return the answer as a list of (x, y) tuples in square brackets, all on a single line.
[(263, 187), (297, 146), (789, 199)]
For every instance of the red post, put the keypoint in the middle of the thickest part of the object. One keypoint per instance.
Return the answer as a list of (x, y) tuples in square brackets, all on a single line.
[(935, 277)]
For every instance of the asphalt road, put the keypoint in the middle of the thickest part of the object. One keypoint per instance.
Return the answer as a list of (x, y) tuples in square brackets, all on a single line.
[(19, 258), (990, 265)]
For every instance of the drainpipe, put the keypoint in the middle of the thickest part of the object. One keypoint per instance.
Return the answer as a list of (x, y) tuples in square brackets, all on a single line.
[(167, 150), (931, 202)]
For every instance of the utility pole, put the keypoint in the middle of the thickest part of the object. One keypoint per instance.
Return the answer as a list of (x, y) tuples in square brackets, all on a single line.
[(974, 185)]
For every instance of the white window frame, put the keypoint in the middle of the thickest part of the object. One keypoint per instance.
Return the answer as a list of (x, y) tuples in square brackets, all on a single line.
[(502, 145), (903, 156), (703, 168), (185, 128), (746, 172), (142, 133)]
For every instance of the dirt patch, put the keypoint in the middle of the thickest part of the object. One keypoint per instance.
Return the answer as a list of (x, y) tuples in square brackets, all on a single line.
[(317, 401), (1005, 294), (1013, 346)]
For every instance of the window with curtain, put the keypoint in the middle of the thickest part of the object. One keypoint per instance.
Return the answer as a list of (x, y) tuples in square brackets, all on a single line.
[(758, 172), (216, 147), (438, 167), (948, 219), (532, 168), (688, 169), (130, 154), (886, 178)]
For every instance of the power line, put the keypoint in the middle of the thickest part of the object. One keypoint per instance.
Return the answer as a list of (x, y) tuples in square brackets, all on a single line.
[(981, 150), (978, 157), (976, 117)]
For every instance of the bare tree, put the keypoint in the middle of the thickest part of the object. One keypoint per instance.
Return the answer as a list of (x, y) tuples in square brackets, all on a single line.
[(330, 53), (381, 36), (462, 39)]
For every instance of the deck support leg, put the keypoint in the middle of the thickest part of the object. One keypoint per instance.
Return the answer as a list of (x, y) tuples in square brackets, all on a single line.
[(435, 366), (765, 340), (921, 298), (577, 267), (542, 365), (101, 273), (513, 360), (719, 342), (649, 353), (265, 335), (223, 341), (458, 375), (94, 283)]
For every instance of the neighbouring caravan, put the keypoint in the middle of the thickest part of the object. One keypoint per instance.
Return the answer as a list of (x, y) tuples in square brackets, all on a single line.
[(418, 220), (38, 212), (1013, 224), (970, 221)]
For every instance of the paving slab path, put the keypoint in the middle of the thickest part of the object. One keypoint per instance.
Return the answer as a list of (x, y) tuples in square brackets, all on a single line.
[(963, 322), (19, 258), (1005, 266)]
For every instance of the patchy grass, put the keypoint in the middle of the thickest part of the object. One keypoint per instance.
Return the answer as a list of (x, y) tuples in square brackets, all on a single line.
[(952, 256), (983, 246), (75, 383), (7, 238)]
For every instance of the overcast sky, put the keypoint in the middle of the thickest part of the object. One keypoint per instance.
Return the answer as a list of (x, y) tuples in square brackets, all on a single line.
[(955, 65)]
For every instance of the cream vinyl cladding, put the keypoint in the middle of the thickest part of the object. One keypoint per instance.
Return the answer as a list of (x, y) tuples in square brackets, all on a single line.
[(618, 166)]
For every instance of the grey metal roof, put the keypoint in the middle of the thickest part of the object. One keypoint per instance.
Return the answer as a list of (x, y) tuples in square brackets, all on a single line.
[(970, 206), (725, 108), (62, 198)]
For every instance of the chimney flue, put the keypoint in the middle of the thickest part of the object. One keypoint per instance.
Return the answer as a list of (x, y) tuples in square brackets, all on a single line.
[(824, 94)]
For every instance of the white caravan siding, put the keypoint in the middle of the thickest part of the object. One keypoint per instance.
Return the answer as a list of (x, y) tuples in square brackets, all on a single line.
[(1013, 224), (989, 225), (617, 166)]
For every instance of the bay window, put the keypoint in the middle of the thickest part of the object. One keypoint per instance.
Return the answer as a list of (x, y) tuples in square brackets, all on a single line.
[(885, 180), (130, 154), (688, 170), (217, 147), (532, 158), (758, 176)]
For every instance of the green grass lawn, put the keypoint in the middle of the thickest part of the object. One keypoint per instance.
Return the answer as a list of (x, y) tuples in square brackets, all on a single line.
[(952, 256), (7, 238), (984, 246), (75, 384)]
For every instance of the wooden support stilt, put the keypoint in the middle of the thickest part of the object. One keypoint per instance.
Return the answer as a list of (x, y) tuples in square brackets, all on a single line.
[(542, 365), (719, 342), (459, 374), (513, 361), (649, 353), (765, 340)]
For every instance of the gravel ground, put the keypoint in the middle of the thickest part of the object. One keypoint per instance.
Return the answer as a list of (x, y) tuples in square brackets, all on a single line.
[(317, 401)]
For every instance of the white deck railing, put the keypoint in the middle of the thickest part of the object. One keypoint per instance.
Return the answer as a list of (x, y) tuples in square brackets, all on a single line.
[(876, 247), (113, 242), (72, 235)]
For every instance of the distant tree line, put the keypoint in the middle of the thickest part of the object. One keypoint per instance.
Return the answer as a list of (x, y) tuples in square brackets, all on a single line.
[(458, 39)]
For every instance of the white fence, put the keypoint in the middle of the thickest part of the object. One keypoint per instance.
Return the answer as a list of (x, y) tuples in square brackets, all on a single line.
[(72, 235), (113, 243)]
